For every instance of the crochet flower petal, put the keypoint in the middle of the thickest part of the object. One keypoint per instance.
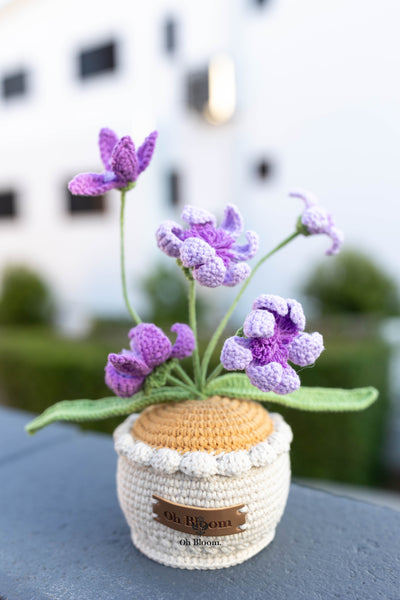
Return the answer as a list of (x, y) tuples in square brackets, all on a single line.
[(306, 348), (91, 184), (236, 355), (236, 273), (265, 377), (271, 302), (124, 162), (308, 198), (167, 238), (289, 383), (127, 363), (337, 238), (151, 343), (197, 216), (107, 140), (296, 314), (122, 385), (195, 251), (211, 274), (185, 341), (259, 323), (145, 152), (232, 221), (246, 251), (316, 219)]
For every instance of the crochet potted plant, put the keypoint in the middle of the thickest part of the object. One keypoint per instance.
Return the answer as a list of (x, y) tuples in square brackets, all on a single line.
[(203, 469)]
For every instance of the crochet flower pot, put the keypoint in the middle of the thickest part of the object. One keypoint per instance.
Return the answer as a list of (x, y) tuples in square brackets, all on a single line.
[(203, 484)]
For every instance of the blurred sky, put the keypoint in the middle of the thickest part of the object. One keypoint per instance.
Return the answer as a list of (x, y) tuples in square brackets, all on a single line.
[(314, 104)]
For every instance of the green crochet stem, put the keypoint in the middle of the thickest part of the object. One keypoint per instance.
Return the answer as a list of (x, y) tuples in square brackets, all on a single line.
[(184, 376), (130, 308), (193, 325), (233, 385), (217, 371), (184, 386), (218, 332)]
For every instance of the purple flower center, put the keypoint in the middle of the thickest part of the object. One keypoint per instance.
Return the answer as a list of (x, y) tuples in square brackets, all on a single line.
[(218, 238), (276, 347)]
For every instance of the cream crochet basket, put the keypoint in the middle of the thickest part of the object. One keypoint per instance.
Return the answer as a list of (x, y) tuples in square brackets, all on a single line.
[(220, 471)]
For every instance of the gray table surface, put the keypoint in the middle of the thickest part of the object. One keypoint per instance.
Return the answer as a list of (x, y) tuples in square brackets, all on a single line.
[(63, 536)]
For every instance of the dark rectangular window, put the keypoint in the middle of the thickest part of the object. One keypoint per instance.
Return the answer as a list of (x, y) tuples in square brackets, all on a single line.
[(97, 60), (174, 188), (7, 204), (77, 205), (263, 169), (14, 84), (170, 31), (197, 90)]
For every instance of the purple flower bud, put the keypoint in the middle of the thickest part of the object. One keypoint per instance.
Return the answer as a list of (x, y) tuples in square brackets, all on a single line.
[(317, 220), (124, 162)]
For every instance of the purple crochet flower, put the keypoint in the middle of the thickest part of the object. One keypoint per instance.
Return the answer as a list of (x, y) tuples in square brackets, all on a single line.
[(122, 164), (274, 335), (126, 371), (316, 219), (211, 252)]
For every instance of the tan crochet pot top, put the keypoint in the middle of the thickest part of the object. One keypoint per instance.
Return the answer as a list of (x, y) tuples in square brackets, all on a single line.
[(213, 425)]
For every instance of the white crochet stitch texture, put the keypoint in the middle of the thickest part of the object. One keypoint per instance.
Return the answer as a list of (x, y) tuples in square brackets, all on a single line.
[(258, 478), (203, 464)]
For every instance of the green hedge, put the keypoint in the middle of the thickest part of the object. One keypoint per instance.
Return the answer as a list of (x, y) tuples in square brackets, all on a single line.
[(38, 368), (348, 446), (25, 299)]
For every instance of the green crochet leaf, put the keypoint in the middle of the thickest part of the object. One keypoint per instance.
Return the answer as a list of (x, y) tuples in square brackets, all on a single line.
[(95, 410), (158, 377), (237, 385)]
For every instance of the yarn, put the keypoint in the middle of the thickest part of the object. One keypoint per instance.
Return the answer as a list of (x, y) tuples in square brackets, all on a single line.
[(213, 425)]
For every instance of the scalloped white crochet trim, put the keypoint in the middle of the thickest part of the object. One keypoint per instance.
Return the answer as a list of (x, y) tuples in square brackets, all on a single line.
[(199, 463)]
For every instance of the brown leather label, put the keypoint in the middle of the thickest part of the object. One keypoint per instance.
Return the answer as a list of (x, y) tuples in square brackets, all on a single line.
[(199, 521)]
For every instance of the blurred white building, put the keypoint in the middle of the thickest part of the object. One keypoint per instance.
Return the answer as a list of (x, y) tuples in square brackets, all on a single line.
[(251, 98)]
